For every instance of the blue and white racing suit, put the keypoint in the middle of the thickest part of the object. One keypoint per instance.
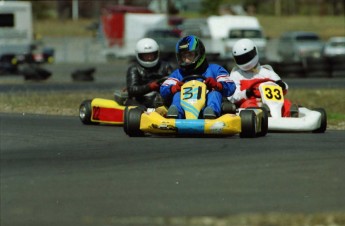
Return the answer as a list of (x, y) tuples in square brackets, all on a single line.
[(213, 98)]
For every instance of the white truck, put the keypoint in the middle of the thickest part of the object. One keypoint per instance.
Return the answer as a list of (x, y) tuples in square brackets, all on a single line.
[(231, 28), (17, 44), (219, 34)]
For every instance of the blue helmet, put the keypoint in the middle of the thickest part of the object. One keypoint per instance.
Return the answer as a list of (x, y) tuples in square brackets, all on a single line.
[(190, 45)]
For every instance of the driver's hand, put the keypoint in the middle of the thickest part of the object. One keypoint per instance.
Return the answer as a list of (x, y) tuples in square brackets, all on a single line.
[(281, 84), (211, 84), (249, 93), (154, 86), (176, 88)]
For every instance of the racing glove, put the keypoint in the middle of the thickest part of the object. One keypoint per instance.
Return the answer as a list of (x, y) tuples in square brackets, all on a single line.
[(211, 83), (154, 86), (176, 88), (281, 84), (249, 93)]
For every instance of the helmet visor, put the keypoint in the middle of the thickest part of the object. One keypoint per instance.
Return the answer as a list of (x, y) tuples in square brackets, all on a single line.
[(246, 57), (187, 57), (148, 57)]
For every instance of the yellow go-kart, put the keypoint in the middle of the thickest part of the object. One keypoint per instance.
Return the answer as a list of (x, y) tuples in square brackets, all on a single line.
[(248, 123), (101, 111), (111, 112)]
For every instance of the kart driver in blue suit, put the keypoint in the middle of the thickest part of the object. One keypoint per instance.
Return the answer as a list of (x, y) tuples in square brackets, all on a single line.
[(191, 58)]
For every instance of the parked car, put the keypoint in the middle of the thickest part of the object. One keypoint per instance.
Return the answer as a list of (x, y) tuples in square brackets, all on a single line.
[(294, 46), (335, 46)]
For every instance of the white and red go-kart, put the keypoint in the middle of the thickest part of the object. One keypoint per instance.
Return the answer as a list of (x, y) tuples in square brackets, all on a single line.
[(271, 96)]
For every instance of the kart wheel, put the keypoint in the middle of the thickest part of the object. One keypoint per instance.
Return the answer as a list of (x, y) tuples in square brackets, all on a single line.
[(248, 124), (323, 125), (125, 118), (264, 123), (132, 122), (85, 112)]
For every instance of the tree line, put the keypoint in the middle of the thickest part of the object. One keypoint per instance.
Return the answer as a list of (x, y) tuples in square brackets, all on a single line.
[(62, 9)]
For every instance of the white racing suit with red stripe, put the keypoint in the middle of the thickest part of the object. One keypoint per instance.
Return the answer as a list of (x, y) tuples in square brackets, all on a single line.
[(245, 80)]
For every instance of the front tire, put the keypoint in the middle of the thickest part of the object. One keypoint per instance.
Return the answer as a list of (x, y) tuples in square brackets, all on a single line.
[(264, 123), (132, 119), (85, 112), (248, 124), (323, 125)]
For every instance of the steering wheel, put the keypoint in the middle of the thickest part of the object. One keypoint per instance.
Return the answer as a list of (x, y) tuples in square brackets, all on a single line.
[(254, 86), (193, 77)]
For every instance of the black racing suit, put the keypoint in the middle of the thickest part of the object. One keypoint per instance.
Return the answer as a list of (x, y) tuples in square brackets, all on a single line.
[(138, 80)]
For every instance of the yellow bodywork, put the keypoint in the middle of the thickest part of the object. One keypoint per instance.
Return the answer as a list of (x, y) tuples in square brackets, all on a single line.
[(193, 98), (193, 94), (155, 123), (100, 102)]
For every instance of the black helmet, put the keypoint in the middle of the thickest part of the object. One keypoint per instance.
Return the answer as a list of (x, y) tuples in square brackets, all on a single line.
[(191, 48)]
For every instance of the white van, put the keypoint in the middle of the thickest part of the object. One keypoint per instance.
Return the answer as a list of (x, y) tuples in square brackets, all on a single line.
[(219, 33), (17, 44), (231, 28), (15, 26)]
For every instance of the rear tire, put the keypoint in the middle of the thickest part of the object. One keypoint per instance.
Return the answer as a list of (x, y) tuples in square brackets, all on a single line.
[(132, 119), (85, 113), (323, 125), (248, 124), (125, 118)]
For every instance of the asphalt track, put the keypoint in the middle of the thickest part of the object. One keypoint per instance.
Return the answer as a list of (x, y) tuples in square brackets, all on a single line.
[(57, 171)]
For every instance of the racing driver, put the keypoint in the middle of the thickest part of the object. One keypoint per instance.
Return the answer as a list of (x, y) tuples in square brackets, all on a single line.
[(249, 70), (191, 58), (142, 77)]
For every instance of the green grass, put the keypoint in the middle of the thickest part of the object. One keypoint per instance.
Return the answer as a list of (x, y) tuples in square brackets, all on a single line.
[(67, 103), (325, 26)]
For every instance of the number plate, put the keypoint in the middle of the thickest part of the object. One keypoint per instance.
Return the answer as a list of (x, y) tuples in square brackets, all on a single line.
[(272, 93)]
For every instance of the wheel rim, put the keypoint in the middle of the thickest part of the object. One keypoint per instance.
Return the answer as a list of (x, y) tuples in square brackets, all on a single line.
[(82, 112)]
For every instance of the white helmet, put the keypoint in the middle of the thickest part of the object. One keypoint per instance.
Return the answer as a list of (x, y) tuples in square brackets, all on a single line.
[(245, 54), (145, 47)]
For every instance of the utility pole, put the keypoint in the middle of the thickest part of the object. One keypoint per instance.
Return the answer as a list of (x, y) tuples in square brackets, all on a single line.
[(75, 10), (277, 7)]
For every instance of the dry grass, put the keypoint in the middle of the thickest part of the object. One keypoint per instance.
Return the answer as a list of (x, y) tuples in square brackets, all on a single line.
[(325, 26), (329, 99), (67, 103), (57, 28), (268, 219), (51, 103)]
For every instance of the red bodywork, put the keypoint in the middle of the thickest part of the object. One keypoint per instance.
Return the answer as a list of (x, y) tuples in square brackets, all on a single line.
[(113, 21), (253, 102), (107, 114)]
